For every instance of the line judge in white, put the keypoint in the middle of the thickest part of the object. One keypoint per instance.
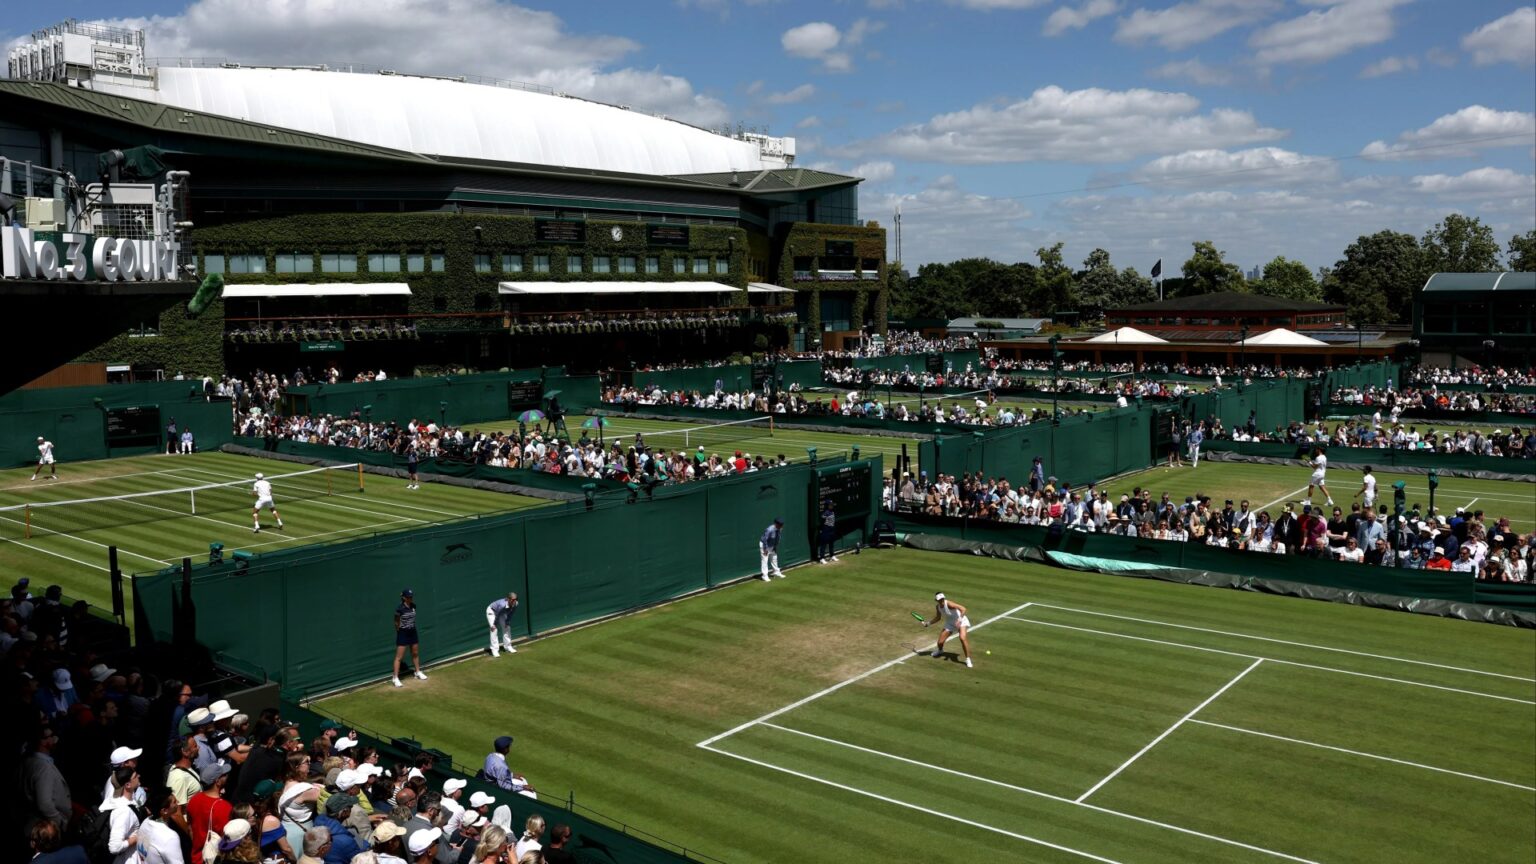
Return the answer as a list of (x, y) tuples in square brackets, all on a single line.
[(45, 457), (955, 622), (261, 490)]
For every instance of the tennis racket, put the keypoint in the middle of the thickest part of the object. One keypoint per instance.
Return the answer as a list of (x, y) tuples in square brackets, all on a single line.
[(918, 617)]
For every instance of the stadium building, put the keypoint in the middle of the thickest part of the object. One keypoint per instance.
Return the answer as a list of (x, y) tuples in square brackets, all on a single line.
[(395, 218)]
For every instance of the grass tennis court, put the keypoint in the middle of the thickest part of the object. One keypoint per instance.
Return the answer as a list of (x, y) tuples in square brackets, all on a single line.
[(1271, 486), (68, 545), (1116, 720)]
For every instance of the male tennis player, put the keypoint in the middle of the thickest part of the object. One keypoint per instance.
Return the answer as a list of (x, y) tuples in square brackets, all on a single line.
[(953, 616), (499, 616), (45, 457), (1367, 492), (1319, 475), (261, 490)]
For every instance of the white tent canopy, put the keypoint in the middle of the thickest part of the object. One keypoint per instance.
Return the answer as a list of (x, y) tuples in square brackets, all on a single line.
[(329, 289), (613, 288), (1128, 336), (1280, 336), (765, 288)]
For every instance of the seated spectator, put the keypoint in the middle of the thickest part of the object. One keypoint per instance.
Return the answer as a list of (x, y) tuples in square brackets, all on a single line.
[(497, 771)]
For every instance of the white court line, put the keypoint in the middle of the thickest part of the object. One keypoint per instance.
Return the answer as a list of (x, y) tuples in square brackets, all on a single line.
[(1279, 661), (1366, 755), (349, 495), (1289, 496), (1037, 793), (288, 538), (52, 533), (841, 684), (1468, 505), (910, 806), (1287, 642), (1169, 731), (65, 557)]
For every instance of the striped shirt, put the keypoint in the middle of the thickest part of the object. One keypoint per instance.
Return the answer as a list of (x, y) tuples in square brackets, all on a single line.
[(407, 616)]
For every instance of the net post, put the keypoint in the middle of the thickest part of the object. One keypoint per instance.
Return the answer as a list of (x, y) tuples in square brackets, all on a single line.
[(193, 494), (359, 476), (770, 425), (28, 531)]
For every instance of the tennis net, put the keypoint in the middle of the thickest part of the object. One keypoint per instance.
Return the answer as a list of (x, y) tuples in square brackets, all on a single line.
[(711, 436), (211, 501)]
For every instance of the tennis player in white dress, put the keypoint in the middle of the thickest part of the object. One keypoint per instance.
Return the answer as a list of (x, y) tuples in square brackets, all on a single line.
[(955, 623)]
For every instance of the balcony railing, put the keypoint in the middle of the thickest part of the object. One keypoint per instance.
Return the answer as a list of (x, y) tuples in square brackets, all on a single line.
[(359, 328)]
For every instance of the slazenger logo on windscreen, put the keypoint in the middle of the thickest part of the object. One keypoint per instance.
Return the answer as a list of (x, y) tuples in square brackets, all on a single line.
[(457, 553)]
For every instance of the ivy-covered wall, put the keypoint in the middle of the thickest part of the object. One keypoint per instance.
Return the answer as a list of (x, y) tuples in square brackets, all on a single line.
[(810, 239)]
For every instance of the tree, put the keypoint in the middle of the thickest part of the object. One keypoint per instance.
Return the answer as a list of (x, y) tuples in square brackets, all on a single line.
[(935, 293), (1206, 272), (1131, 288), (1459, 244), (1096, 282), (1054, 290), (1385, 266), (1289, 279), (1522, 251)]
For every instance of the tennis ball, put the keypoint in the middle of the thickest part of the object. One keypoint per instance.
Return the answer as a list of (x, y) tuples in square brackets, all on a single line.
[(989, 652)]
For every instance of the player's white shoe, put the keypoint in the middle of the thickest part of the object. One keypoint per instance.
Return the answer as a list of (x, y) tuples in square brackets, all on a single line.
[(279, 524), (937, 652), (495, 653), (510, 649), (396, 682), (420, 674), (968, 663), (779, 573), (834, 559), (256, 530), (765, 577)]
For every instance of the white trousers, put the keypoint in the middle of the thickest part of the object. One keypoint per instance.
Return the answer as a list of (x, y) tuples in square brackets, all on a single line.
[(501, 626), (770, 561)]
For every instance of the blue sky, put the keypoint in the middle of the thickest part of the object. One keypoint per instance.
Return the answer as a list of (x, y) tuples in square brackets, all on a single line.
[(1272, 127)]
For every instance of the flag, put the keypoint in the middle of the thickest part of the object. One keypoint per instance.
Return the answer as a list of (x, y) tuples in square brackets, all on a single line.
[(1157, 269)]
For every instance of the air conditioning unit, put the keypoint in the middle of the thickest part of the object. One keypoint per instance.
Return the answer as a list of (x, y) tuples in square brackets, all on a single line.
[(45, 214)]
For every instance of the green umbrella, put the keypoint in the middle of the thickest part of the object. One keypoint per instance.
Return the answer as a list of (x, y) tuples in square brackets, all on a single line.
[(531, 416), (596, 423)]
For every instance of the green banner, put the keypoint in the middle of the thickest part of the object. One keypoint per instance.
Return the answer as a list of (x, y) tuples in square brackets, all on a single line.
[(326, 345)]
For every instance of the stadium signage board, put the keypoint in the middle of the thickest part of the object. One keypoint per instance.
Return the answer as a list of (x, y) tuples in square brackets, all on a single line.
[(559, 231), (79, 257), (322, 345), (666, 235)]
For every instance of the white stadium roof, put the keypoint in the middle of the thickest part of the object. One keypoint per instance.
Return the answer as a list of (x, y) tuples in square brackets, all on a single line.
[(1127, 336), (1282, 336), (613, 288), (328, 289), (443, 117)]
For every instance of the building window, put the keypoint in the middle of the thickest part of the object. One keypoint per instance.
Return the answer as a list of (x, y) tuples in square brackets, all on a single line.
[(722, 266), (332, 262), (482, 263), (600, 264), (679, 265), (573, 263), (213, 264), (626, 263), (295, 263), (247, 263), (701, 266), (653, 264), (438, 265), (541, 263), (870, 266), (416, 262), (383, 262), (511, 263)]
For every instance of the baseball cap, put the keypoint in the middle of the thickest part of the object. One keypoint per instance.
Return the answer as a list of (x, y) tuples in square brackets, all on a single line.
[(123, 754), (453, 785), (62, 680), (778, 520), (368, 769), (407, 593), (387, 831), (503, 742), (414, 773), (344, 744), (101, 672), (259, 475), (339, 802), (480, 799), (422, 839), (471, 819), (236, 830), (265, 789), (938, 596), (328, 724), (210, 773), (348, 778)]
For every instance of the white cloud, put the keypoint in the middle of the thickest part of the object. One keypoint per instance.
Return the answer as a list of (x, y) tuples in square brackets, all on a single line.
[(1511, 39), (1390, 66), (1260, 166), (1194, 71), (1325, 34), (1479, 182), (818, 41), (1053, 124), (489, 38), (861, 29), (944, 222), (810, 122), (1458, 134), (1077, 17), (790, 97), (875, 172), (1190, 23)]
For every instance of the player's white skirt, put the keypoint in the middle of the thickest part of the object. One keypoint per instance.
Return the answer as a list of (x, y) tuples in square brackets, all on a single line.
[(265, 502), (955, 627)]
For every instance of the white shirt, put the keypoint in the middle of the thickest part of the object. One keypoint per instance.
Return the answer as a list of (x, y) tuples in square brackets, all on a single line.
[(1370, 486), (45, 450), (124, 823), (159, 843), (263, 489), (952, 615), (1319, 465), (1355, 555), (526, 844)]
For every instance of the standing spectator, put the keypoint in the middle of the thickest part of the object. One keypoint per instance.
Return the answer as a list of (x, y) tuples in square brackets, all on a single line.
[(159, 839), (317, 842), (498, 616), (184, 780), (406, 636), (42, 784), (171, 438), (338, 809), (768, 549), (828, 536), (207, 811), (48, 846), (123, 832), (412, 462)]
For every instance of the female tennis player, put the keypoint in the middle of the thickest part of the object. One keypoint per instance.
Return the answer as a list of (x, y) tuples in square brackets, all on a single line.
[(953, 616)]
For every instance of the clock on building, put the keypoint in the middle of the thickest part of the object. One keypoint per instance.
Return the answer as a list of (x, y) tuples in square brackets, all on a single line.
[(618, 233)]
